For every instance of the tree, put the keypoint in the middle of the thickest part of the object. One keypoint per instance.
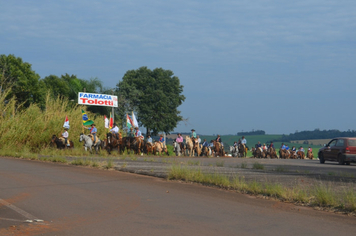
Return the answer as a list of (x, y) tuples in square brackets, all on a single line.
[(154, 96), (25, 83)]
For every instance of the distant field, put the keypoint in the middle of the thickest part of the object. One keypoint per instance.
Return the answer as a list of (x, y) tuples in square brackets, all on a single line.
[(319, 142)]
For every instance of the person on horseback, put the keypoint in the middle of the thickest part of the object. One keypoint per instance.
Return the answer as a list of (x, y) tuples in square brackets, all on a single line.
[(283, 146), (244, 141), (235, 144), (199, 140), (131, 133), (115, 130), (194, 135), (93, 131), (179, 139), (301, 149), (161, 140), (138, 132), (149, 139), (65, 136), (205, 143), (258, 145), (264, 147), (271, 145), (218, 139)]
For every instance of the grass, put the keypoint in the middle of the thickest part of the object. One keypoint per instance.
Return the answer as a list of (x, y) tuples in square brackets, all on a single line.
[(219, 163), (280, 169), (319, 194), (258, 166), (243, 165), (193, 163)]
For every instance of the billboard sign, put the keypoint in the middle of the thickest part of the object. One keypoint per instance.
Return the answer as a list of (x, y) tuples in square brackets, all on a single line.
[(97, 99)]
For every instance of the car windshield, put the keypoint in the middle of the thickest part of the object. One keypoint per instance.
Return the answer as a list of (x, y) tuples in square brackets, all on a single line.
[(352, 142)]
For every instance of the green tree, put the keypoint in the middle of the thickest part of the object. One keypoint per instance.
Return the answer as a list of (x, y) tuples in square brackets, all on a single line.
[(25, 83), (58, 86), (154, 95)]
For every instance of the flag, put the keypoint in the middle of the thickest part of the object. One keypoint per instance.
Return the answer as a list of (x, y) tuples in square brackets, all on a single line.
[(106, 122), (135, 123), (111, 124), (129, 122), (86, 120), (66, 123)]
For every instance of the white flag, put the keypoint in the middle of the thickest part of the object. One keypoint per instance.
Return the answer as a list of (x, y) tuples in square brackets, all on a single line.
[(106, 122), (66, 123), (135, 123)]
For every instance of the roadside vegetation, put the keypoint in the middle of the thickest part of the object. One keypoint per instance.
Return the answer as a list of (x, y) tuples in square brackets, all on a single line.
[(317, 195)]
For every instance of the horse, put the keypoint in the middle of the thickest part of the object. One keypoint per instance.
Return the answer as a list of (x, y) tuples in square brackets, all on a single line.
[(158, 147), (112, 141), (88, 143), (271, 152), (59, 142), (179, 148), (189, 145), (218, 148), (234, 151), (284, 154), (301, 154), (148, 148), (206, 151), (242, 150), (310, 155)]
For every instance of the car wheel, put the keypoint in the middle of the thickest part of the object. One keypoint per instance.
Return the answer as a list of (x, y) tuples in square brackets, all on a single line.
[(348, 163), (321, 158), (340, 159)]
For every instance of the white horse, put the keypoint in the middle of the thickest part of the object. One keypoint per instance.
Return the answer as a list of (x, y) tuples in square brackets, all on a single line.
[(234, 151), (88, 143)]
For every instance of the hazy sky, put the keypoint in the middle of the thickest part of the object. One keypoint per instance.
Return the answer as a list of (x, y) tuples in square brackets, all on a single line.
[(279, 66)]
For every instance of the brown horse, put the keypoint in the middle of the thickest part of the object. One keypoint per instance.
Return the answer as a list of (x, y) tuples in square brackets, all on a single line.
[(218, 149), (113, 141), (310, 155), (59, 142), (284, 154), (301, 154), (271, 152), (242, 150)]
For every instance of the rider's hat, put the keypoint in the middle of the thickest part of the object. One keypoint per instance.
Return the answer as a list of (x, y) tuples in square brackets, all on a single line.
[(65, 128), (136, 127), (179, 134), (193, 130), (93, 124), (114, 124)]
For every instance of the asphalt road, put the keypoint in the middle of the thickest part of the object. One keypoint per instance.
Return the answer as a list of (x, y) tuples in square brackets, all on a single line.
[(70, 200)]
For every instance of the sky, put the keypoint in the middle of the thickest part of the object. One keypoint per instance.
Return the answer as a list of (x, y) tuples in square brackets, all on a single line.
[(278, 66)]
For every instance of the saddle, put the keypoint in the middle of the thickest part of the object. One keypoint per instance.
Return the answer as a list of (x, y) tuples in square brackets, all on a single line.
[(92, 139), (63, 140)]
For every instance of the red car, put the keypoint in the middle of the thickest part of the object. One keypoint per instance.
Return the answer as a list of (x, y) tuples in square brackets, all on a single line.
[(342, 150)]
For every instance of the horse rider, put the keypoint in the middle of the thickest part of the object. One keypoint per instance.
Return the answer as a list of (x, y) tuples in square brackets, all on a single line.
[(218, 139), (243, 141), (115, 130), (193, 135), (149, 139), (179, 139), (258, 145), (198, 139), (161, 140), (138, 133), (271, 145), (65, 136), (235, 144), (264, 147), (131, 133), (283, 146), (93, 131), (205, 143), (301, 149)]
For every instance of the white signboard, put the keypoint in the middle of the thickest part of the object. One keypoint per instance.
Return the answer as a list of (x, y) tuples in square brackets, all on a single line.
[(97, 99)]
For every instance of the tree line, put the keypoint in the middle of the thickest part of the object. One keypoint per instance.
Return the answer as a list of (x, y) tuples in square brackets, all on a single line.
[(317, 134), (154, 95), (253, 132)]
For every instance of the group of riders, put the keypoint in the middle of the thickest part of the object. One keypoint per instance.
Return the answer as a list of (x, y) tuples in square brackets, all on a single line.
[(192, 145)]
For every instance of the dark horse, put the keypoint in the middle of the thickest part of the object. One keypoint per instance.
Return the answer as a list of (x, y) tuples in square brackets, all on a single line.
[(113, 141), (60, 142), (242, 150)]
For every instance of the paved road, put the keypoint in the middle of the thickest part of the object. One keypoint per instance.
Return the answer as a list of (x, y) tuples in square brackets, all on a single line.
[(82, 201)]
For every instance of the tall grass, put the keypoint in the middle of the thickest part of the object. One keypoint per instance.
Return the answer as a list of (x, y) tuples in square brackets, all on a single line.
[(32, 128)]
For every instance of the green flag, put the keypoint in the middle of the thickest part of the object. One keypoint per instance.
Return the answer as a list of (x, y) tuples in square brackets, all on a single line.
[(86, 120)]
